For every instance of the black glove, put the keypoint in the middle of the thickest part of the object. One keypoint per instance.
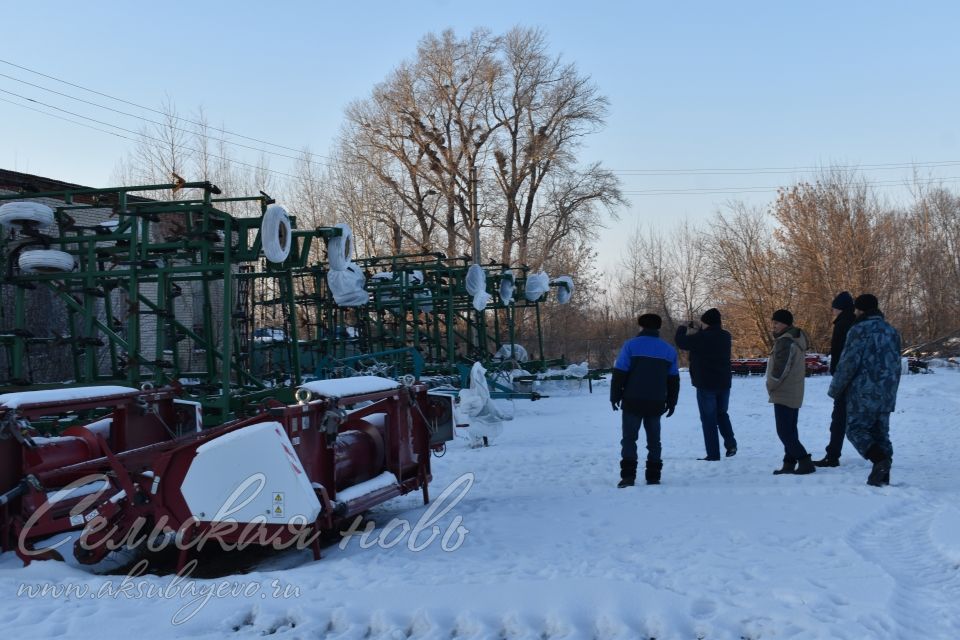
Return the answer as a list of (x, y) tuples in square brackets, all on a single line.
[(615, 404), (669, 409)]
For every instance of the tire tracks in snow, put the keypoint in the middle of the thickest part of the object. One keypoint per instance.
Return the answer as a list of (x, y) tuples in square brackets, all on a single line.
[(926, 583)]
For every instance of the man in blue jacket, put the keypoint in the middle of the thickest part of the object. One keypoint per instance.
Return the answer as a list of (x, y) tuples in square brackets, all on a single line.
[(711, 374), (646, 384), (869, 375)]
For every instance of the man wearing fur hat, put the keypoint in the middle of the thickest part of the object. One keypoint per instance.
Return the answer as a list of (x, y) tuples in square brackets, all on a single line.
[(868, 375), (711, 375), (842, 321), (786, 373), (645, 384)]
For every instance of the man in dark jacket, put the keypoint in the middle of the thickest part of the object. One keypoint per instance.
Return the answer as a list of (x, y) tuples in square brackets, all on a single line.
[(646, 384), (711, 374), (843, 318), (868, 375)]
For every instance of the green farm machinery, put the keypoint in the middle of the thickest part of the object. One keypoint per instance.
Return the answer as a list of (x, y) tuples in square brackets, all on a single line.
[(108, 286)]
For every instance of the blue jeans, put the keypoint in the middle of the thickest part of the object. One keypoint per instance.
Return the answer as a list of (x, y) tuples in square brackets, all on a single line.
[(713, 418), (787, 418), (631, 431)]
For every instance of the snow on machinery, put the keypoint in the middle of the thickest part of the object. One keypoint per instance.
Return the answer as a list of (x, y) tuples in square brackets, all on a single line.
[(155, 310), (146, 470), (135, 290)]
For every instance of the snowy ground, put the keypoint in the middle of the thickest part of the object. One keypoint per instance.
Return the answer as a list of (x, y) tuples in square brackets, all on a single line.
[(555, 550)]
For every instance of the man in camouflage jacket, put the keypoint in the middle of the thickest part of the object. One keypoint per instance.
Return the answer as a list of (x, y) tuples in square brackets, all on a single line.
[(869, 374)]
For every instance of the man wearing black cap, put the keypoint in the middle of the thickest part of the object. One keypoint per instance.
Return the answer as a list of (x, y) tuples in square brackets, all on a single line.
[(646, 384), (710, 373), (843, 319), (786, 373), (868, 375)]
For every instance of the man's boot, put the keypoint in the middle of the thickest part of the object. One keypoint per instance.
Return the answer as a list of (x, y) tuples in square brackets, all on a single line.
[(653, 471), (804, 466), (789, 466), (628, 473), (880, 474), (827, 462)]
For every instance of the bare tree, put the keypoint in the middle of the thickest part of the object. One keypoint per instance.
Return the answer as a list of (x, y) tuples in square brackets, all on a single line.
[(838, 236), (544, 107), (688, 263), (932, 305), (751, 276)]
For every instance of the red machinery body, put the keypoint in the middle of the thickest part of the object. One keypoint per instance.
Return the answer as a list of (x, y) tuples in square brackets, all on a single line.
[(138, 470)]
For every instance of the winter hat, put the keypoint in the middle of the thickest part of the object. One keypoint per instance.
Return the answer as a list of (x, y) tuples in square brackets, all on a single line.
[(867, 302), (843, 301), (784, 316), (711, 317), (650, 321)]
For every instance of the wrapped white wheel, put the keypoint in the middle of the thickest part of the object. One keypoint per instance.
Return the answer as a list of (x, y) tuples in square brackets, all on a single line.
[(46, 261), (507, 285), (25, 212), (276, 233), (340, 248), (564, 286), (537, 284)]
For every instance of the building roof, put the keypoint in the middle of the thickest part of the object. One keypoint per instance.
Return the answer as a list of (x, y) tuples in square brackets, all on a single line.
[(28, 185)]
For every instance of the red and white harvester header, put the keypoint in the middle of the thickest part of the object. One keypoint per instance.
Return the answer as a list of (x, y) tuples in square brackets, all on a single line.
[(140, 474)]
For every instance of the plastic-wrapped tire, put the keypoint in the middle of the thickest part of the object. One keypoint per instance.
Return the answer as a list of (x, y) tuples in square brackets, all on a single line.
[(476, 284), (340, 248), (20, 212), (276, 233), (347, 286), (564, 286), (506, 287), (537, 284), (46, 261)]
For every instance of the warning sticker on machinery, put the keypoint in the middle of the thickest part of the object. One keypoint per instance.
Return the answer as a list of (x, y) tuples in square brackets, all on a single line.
[(276, 510)]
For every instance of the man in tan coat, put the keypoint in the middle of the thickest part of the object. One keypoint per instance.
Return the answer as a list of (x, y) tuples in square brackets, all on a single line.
[(786, 372)]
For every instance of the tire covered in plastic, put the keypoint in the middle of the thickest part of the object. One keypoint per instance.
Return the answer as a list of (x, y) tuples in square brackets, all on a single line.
[(21, 212), (276, 233), (46, 261)]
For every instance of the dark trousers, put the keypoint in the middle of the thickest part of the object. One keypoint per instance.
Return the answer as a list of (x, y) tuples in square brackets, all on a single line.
[(870, 429), (838, 426), (713, 418), (787, 430), (631, 431)]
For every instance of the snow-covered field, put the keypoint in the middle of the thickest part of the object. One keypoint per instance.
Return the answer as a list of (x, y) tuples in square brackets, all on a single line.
[(554, 550)]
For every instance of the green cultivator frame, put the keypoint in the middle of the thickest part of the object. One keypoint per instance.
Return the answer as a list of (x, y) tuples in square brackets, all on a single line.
[(106, 286)]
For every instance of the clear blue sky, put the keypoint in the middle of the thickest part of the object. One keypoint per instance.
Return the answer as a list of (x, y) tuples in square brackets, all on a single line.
[(692, 85)]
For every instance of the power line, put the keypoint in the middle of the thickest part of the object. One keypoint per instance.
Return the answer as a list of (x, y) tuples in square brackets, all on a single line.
[(634, 172), (154, 122), (626, 172), (647, 192), (157, 111), (82, 124), (136, 133), (736, 190), (782, 170)]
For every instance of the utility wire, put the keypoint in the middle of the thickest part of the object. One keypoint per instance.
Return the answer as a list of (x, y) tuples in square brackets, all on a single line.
[(157, 111), (736, 190), (781, 170), (637, 172), (137, 133), (647, 192), (154, 122), (82, 124), (626, 172)]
